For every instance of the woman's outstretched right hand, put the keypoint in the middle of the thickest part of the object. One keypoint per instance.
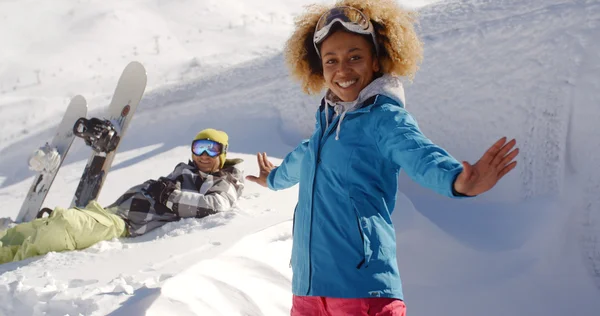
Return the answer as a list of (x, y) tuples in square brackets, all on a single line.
[(265, 167)]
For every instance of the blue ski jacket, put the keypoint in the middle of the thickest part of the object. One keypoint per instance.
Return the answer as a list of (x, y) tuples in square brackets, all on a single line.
[(344, 243)]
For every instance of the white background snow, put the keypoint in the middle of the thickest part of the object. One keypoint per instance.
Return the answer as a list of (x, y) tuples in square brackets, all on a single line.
[(524, 69)]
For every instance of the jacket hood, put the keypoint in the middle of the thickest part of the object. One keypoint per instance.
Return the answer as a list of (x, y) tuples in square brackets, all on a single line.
[(390, 86), (387, 85)]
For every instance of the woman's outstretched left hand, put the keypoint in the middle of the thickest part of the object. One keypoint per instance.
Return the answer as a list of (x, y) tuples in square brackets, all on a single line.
[(264, 167), (485, 173)]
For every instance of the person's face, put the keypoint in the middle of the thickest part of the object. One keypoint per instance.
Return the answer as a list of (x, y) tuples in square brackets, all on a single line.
[(206, 163), (348, 63)]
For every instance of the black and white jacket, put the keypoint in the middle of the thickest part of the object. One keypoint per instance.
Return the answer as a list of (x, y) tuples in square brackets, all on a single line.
[(198, 194)]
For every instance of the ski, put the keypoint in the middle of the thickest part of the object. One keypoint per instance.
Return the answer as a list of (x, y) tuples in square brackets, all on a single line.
[(48, 159), (104, 135)]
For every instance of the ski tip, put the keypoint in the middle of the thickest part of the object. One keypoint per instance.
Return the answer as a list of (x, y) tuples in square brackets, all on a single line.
[(77, 106), (136, 65), (79, 99)]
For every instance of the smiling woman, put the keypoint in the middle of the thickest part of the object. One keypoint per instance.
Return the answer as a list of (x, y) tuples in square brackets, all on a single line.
[(344, 243), (349, 64), (397, 46)]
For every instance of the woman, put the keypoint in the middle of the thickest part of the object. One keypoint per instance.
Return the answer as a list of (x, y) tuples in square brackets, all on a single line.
[(344, 247), (209, 183)]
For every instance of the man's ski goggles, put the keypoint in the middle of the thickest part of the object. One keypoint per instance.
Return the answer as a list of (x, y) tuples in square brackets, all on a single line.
[(350, 18), (210, 147)]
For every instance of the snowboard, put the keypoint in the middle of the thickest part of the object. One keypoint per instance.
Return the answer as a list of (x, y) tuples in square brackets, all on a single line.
[(61, 142), (127, 95)]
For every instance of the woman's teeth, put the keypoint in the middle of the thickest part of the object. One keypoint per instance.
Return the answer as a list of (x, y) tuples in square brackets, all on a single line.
[(346, 84)]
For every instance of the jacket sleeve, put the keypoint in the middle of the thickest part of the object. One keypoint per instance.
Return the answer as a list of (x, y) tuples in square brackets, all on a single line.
[(400, 140), (288, 173), (177, 172), (221, 196)]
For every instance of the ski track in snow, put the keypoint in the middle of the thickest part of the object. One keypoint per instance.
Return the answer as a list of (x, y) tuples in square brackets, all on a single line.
[(515, 90), (583, 148)]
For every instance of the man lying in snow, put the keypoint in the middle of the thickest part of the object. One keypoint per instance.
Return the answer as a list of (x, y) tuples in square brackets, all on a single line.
[(207, 184)]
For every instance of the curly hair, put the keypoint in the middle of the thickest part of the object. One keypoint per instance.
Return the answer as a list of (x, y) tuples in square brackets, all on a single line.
[(400, 49)]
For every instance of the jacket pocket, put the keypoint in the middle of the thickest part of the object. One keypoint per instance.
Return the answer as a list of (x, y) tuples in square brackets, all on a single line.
[(293, 226), (366, 251), (379, 238)]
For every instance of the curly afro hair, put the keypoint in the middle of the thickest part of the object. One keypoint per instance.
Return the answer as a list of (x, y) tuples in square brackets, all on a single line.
[(400, 49)]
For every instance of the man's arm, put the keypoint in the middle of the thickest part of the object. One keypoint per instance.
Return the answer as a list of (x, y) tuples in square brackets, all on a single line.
[(220, 197)]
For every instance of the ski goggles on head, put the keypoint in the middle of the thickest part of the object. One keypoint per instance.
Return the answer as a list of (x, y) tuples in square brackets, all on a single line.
[(210, 147), (350, 18)]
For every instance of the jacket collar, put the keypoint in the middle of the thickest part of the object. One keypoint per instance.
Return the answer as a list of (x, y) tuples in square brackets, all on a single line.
[(386, 85)]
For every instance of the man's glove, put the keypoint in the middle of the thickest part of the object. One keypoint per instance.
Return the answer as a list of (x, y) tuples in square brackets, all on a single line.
[(160, 189)]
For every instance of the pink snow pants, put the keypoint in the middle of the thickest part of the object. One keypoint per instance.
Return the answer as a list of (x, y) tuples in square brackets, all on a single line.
[(329, 306)]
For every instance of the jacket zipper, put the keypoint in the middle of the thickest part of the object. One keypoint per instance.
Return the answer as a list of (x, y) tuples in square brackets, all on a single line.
[(322, 136)]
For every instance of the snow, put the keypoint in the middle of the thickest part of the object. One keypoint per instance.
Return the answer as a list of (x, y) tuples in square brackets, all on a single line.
[(527, 70)]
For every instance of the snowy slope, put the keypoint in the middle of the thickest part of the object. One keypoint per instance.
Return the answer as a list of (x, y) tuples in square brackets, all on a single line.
[(492, 68)]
